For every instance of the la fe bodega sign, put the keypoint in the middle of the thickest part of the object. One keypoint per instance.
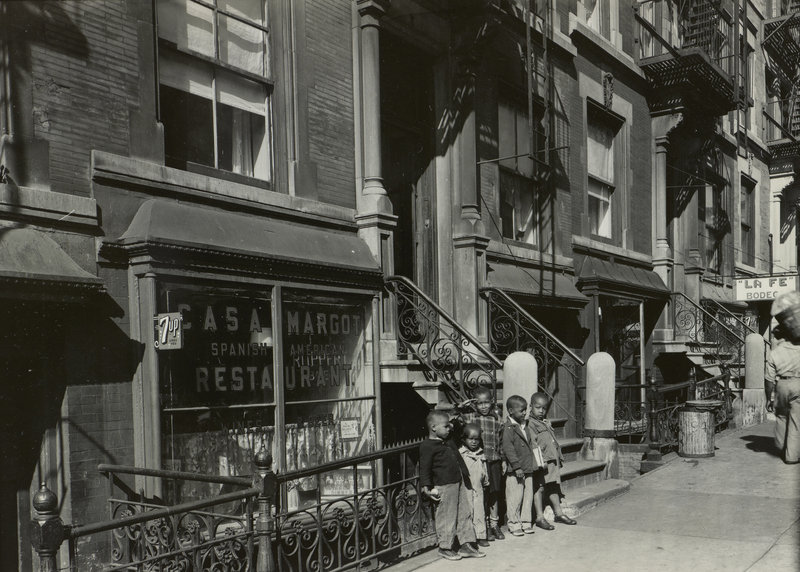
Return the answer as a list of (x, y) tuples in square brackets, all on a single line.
[(767, 288)]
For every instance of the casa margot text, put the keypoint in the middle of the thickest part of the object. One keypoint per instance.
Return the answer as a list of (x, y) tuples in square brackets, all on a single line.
[(322, 358)]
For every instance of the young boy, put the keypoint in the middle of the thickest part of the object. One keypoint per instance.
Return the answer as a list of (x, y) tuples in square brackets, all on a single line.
[(473, 457), (490, 426), (444, 478), (548, 482), (518, 442)]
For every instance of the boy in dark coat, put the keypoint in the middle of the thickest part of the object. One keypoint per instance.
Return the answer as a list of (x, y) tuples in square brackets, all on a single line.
[(518, 443)]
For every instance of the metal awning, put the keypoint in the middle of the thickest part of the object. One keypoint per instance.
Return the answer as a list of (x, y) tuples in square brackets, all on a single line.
[(32, 265), (263, 245), (617, 278), (537, 285)]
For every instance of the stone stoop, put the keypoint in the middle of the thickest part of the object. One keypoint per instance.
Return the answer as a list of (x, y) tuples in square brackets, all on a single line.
[(580, 473), (585, 498), (570, 447)]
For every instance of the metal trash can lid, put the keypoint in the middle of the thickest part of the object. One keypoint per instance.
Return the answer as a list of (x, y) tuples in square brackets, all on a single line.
[(704, 404)]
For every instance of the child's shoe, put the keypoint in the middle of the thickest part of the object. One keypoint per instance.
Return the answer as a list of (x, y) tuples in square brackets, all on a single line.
[(542, 523), (483, 543), (498, 534), (490, 534), (564, 519), (469, 551), (449, 554), (516, 532), (528, 530)]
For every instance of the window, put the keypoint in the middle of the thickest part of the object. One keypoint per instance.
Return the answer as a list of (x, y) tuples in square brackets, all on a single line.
[(519, 213), (601, 167), (747, 221), (598, 16), (214, 85), (715, 224)]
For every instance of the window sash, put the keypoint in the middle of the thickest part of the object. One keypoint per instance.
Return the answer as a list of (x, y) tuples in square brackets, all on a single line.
[(600, 208)]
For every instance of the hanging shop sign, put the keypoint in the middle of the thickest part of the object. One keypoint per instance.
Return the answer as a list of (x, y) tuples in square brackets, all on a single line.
[(764, 288)]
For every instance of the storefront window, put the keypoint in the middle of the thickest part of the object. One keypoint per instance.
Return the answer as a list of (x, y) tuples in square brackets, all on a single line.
[(217, 391), (329, 391)]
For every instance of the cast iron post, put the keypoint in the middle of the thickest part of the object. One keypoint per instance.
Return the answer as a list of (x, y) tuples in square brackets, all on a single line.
[(692, 385), (265, 525), (47, 530), (654, 453)]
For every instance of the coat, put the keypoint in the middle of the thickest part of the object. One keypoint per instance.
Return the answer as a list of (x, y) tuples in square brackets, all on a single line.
[(517, 451)]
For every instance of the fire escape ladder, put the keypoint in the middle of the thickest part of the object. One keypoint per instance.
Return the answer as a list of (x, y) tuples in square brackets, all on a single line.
[(449, 354)]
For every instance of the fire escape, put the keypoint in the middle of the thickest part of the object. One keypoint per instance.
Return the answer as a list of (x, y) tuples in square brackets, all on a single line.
[(443, 352), (694, 54), (781, 43)]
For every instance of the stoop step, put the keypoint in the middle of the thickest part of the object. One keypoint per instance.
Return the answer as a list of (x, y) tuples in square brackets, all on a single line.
[(586, 498), (580, 473), (571, 448)]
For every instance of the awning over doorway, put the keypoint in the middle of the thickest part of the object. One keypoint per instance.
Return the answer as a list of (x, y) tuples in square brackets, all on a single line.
[(616, 278), (542, 286), (247, 240), (31, 262)]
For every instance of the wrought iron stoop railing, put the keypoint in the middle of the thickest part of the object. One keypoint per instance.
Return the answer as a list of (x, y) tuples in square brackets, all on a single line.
[(512, 328), (649, 413), (734, 322), (250, 529), (449, 354), (707, 335)]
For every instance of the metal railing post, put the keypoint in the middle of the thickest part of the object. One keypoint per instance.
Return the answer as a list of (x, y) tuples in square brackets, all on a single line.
[(653, 437), (47, 529), (692, 385), (265, 525)]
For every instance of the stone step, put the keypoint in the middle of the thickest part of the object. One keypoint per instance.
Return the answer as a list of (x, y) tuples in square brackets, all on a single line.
[(580, 473), (558, 424), (583, 499), (571, 447)]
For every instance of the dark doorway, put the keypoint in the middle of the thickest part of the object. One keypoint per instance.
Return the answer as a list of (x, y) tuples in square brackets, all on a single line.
[(407, 155)]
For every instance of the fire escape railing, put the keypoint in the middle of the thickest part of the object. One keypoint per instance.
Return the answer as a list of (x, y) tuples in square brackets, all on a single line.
[(448, 352), (717, 342), (511, 329), (783, 118)]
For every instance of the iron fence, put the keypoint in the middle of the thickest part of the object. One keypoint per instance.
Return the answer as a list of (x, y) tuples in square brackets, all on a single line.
[(380, 517)]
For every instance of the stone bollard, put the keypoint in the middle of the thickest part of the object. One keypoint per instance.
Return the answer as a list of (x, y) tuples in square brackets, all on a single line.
[(47, 529), (599, 443), (520, 376), (752, 408)]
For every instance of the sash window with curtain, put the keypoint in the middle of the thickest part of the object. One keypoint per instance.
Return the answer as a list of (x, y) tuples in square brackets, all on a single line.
[(600, 157), (215, 86)]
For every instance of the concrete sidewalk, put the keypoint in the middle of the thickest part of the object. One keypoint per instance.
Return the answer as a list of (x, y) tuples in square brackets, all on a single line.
[(737, 511)]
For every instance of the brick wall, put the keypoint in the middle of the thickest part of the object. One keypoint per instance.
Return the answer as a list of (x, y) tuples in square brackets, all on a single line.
[(630, 460), (328, 72), (83, 57)]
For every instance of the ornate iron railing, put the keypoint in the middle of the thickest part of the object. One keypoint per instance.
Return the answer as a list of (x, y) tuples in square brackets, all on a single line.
[(449, 353), (717, 342), (512, 328), (382, 517), (649, 413)]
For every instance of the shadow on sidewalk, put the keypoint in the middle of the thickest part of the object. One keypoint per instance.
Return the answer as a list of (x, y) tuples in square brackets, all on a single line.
[(761, 444)]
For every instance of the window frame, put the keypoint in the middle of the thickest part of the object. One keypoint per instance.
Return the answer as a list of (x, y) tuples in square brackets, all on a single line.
[(215, 65), (595, 112), (747, 220)]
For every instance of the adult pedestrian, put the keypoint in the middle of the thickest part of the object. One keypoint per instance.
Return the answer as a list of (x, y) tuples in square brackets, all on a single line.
[(782, 379)]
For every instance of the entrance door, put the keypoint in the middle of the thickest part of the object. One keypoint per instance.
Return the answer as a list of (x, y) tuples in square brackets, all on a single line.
[(407, 157)]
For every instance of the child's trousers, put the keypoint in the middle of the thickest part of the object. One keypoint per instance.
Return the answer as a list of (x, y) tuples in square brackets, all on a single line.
[(519, 501), (478, 513), (453, 515)]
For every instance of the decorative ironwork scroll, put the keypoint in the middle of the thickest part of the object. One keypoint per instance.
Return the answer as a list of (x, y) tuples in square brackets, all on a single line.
[(450, 354)]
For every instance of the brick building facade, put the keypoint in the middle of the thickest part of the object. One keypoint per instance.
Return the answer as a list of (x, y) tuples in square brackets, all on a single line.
[(261, 168)]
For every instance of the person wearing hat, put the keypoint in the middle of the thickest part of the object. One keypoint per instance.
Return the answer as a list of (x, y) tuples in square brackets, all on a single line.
[(782, 379)]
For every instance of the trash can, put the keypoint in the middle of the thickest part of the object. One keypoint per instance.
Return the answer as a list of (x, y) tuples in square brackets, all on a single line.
[(696, 420)]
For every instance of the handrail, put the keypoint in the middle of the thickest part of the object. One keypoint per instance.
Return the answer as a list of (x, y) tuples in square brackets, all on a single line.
[(708, 314), (86, 529), (449, 319), (176, 475), (521, 310), (740, 321)]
